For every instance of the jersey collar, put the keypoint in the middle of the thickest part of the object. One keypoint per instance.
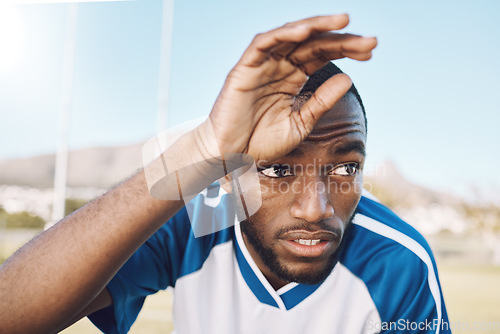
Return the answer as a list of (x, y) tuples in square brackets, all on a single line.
[(285, 298)]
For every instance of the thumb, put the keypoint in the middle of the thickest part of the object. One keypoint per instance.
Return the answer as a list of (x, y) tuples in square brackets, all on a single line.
[(324, 99)]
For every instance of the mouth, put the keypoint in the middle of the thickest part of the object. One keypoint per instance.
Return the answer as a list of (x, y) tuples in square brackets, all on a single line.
[(307, 242), (310, 245)]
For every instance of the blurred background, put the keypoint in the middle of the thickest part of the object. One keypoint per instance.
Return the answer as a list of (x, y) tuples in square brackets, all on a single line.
[(84, 84)]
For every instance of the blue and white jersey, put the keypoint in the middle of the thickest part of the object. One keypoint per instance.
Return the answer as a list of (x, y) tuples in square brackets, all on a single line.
[(386, 281)]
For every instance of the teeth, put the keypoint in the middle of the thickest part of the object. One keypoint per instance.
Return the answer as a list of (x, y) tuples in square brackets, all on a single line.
[(307, 242)]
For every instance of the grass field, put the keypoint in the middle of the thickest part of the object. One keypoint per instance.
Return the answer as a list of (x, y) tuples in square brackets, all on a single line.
[(470, 290), (472, 297)]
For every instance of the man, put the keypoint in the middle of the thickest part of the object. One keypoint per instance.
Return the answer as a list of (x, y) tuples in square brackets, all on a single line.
[(314, 256)]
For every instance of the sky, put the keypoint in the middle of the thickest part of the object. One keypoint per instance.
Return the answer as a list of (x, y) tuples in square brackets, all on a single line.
[(430, 90)]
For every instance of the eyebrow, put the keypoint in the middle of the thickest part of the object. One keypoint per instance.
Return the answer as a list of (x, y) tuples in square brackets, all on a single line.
[(345, 148), (351, 146)]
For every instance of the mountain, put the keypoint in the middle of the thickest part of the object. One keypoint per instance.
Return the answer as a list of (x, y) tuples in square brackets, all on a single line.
[(392, 188), (98, 167)]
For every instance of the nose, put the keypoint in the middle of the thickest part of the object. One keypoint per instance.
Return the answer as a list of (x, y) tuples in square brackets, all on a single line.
[(312, 201)]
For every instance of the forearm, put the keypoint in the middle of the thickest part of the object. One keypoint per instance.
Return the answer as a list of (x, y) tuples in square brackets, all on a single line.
[(57, 274), (63, 269)]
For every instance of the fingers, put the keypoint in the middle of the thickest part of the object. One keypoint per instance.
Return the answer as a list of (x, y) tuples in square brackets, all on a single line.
[(317, 51), (323, 100), (284, 39), (321, 24), (324, 23)]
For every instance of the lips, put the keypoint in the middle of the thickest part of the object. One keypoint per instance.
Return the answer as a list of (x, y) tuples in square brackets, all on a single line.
[(307, 235), (309, 244)]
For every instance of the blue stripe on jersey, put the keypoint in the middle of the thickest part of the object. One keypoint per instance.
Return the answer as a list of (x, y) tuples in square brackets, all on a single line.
[(294, 296), (377, 211), (252, 280), (389, 269), (381, 213)]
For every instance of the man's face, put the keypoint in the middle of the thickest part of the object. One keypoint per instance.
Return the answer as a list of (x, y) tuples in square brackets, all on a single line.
[(308, 199)]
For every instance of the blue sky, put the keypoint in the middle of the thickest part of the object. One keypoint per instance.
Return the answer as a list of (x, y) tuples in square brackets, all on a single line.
[(430, 89)]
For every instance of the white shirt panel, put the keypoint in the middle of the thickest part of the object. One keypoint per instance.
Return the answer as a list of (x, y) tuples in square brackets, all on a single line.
[(217, 300)]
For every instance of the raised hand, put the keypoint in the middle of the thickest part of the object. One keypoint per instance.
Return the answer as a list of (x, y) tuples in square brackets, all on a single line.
[(253, 113)]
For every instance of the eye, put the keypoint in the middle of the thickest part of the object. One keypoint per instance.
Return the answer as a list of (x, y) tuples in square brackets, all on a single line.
[(348, 169), (277, 171)]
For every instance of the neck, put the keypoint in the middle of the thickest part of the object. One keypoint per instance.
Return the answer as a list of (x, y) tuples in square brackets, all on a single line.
[(275, 282)]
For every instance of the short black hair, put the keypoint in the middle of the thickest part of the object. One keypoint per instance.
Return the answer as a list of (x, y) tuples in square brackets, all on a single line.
[(320, 76)]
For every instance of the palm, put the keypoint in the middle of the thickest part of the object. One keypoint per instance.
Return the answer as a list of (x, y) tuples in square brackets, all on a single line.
[(253, 113), (269, 128)]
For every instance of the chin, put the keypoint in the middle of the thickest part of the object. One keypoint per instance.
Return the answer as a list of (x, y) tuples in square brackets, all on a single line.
[(306, 273)]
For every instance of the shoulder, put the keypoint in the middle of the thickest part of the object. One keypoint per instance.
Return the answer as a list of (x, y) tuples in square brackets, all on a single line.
[(378, 228), (395, 262), (189, 237), (382, 235)]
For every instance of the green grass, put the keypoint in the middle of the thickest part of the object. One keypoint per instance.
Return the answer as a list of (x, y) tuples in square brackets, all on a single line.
[(472, 297)]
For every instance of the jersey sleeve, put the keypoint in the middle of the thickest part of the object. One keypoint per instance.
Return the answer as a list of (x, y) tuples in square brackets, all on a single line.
[(399, 270), (153, 267), (413, 301)]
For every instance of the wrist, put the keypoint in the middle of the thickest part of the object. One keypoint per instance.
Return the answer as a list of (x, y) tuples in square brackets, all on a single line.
[(187, 164)]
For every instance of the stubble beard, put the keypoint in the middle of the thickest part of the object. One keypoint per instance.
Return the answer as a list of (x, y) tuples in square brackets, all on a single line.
[(271, 260)]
